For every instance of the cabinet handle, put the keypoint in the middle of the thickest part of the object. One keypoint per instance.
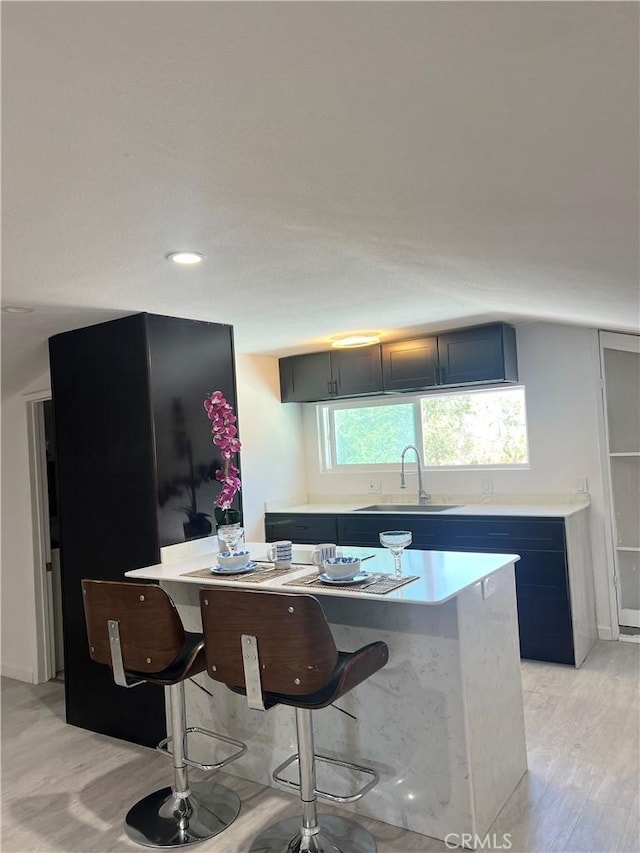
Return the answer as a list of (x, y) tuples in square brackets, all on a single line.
[(442, 377), (330, 387), (498, 534), (435, 375), (335, 387)]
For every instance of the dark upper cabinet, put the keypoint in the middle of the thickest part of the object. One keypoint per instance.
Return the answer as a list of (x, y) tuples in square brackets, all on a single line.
[(481, 354), (356, 371), (134, 472), (304, 378), (477, 355), (330, 375), (410, 365)]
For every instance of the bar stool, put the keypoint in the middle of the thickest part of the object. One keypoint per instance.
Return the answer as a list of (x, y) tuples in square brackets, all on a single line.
[(277, 648), (135, 629)]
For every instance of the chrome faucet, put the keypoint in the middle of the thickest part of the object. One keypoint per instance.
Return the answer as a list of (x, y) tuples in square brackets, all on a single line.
[(423, 497)]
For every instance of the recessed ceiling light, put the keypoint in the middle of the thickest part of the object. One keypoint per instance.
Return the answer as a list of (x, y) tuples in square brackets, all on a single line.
[(359, 340), (16, 309), (185, 258)]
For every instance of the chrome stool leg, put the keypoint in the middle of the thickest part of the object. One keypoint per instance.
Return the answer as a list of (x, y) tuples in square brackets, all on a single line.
[(333, 835), (182, 814)]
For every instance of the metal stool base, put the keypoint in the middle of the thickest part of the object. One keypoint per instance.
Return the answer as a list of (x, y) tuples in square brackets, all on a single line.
[(164, 820), (336, 835)]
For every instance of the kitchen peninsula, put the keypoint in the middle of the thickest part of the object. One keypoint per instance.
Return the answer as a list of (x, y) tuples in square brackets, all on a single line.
[(442, 723)]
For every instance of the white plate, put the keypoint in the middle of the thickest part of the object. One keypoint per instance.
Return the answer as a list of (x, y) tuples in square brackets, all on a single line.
[(361, 576), (218, 570)]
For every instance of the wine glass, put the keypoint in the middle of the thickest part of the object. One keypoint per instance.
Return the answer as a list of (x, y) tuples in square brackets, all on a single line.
[(396, 541)]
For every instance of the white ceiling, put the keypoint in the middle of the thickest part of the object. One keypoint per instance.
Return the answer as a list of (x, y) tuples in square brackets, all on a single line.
[(387, 166)]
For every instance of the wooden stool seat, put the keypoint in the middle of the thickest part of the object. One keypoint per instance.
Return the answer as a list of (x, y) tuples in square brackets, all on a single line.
[(135, 629), (278, 649)]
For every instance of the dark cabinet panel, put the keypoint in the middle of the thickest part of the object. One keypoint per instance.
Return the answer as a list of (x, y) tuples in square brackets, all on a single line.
[(133, 459), (306, 529), (545, 625), (364, 530), (107, 507), (186, 358), (495, 534), (355, 372), (330, 375), (481, 354), (305, 378), (410, 365)]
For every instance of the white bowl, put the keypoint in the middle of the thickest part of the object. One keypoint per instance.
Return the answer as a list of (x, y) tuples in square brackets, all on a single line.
[(341, 568), (237, 560)]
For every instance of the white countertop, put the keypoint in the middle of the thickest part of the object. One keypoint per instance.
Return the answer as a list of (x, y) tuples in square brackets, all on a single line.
[(486, 509), (442, 575)]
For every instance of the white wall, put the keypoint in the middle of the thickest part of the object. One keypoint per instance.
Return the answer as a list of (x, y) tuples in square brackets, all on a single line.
[(558, 365), (18, 648), (272, 468)]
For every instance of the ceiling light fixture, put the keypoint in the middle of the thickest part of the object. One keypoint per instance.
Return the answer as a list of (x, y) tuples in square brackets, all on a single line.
[(186, 259), (16, 309), (362, 339)]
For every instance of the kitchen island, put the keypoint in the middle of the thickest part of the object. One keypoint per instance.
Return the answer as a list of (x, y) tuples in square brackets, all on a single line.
[(442, 723)]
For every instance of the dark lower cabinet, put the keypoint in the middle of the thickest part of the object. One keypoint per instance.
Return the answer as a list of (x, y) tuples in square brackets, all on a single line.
[(134, 468), (542, 579)]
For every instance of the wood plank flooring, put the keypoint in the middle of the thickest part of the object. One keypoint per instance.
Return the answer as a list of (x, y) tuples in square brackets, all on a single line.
[(65, 790)]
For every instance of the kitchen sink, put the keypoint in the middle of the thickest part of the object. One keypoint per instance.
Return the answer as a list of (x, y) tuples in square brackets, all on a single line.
[(405, 508)]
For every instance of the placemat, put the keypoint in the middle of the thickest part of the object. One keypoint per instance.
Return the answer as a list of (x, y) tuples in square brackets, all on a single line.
[(263, 572), (384, 584)]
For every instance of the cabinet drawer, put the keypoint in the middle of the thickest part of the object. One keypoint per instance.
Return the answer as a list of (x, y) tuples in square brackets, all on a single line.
[(507, 535), (305, 529), (365, 530)]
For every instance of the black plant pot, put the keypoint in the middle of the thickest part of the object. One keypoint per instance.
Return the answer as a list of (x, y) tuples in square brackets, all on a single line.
[(198, 526)]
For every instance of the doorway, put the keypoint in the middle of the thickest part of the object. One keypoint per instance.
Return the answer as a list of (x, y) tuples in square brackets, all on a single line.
[(46, 539), (620, 370)]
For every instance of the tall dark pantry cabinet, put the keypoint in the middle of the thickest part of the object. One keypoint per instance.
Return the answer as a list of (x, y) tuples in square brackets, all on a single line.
[(135, 466)]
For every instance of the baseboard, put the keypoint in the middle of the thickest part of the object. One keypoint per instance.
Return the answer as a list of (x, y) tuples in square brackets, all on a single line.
[(16, 672), (605, 633), (629, 638)]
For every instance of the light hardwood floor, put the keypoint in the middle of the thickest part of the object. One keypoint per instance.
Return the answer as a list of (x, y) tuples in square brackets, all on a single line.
[(65, 790)]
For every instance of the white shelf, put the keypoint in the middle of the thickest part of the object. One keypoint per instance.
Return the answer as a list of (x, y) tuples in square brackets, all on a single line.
[(632, 454)]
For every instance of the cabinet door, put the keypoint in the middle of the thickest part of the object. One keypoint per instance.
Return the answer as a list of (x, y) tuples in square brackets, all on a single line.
[(481, 354), (410, 365), (356, 372), (305, 378)]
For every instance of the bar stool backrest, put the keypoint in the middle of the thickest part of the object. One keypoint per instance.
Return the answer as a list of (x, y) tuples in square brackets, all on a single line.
[(296, 650), (151, 631)]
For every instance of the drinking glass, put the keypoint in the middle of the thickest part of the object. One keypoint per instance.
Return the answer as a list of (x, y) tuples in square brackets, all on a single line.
[(396, 541), (231, 535)]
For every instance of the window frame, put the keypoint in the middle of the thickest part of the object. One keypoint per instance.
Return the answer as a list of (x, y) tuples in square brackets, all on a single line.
[(326, 431)]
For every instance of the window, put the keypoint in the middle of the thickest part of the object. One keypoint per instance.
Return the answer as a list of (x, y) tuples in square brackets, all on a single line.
[(470, 429)]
